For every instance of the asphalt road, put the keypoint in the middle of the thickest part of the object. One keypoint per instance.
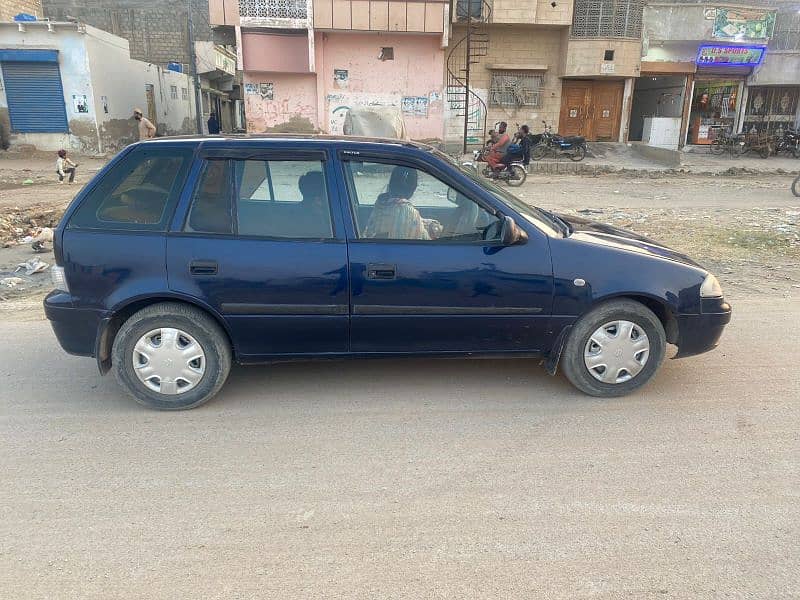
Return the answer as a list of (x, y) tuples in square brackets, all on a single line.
[(415, 479)]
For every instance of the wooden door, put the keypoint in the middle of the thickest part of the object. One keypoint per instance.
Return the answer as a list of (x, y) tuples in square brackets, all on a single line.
[(575, 102), (606, 110)]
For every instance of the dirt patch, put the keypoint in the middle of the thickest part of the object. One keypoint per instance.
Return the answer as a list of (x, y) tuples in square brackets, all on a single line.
[(296, 124)]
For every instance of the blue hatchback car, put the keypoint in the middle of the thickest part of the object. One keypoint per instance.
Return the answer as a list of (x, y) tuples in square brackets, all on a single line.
[(184, 255)]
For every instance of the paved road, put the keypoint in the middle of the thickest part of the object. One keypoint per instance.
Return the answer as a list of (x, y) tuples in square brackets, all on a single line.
[(451, 479)]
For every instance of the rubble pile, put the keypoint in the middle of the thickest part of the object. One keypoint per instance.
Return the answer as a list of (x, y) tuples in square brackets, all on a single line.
[(21, 226)]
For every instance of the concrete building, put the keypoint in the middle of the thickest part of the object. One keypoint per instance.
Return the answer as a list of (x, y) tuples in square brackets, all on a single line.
[(11, 8), (708, 69), (157, 31), (69, 85), (569, 63), (305, 67)]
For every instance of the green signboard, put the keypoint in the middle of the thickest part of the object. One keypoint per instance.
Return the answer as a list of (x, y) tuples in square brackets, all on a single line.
[(738, 24)]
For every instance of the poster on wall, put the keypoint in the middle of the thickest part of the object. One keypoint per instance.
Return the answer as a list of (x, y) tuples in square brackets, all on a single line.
[(735, 23), (341, 77), (266, 90), (80, 104), (415, 105), (250, 88)]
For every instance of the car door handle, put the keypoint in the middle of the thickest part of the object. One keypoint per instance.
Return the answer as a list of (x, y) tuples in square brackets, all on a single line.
[(203, 267), (377, 271)]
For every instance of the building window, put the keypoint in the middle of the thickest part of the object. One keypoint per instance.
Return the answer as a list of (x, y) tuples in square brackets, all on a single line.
[(515, 88), (274, 9), (471, 8), (185, 93), (607, 18), (787, 31), (173, 92), (608, 55)]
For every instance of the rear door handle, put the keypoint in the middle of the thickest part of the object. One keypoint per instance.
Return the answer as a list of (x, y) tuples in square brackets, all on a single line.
[(380, 271), (203, 267)]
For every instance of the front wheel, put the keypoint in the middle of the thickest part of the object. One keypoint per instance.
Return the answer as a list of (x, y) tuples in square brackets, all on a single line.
[(717, 148), (614, 349), (516, 175), (539, 152), (579, 154), (171, 356)]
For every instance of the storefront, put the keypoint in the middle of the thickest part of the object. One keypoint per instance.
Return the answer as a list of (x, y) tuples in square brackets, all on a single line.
[(718, 89), (772, 109)]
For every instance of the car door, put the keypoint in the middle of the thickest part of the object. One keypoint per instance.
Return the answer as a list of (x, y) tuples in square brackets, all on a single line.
[(260, 241), (428, 272)]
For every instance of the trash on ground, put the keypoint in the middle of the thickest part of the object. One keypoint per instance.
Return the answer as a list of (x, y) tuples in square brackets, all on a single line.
[(32, 266), (11, 282)]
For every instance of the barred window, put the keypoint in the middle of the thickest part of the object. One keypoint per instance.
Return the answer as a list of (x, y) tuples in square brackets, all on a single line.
[(515, 88), (274, 9), (787, 31), (607, 18)]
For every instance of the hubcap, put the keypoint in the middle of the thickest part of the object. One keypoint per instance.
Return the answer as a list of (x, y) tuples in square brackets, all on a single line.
[(169, 361), (616, 352)]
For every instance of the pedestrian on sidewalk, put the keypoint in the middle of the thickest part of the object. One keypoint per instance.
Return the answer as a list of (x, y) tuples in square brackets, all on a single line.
[(213, 124), (64, 167), (146, 128)]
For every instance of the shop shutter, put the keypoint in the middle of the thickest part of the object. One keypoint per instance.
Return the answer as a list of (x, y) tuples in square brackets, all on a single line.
[(35, 97)]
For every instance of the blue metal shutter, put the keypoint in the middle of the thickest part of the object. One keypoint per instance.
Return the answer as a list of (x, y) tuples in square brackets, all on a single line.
[(35, 97)]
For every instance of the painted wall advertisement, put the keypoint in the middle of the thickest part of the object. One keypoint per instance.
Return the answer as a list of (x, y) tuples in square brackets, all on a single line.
[(736, 23)]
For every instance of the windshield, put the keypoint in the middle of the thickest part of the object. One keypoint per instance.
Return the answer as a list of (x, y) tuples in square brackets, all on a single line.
[(544, 220)]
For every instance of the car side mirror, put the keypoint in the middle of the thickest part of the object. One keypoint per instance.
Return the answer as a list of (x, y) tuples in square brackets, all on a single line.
[(510, 232)]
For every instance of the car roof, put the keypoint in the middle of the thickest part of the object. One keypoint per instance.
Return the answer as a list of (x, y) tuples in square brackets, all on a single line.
[(278, 138)]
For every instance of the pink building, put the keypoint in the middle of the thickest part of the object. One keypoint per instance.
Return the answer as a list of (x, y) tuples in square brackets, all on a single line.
[(304, 69)]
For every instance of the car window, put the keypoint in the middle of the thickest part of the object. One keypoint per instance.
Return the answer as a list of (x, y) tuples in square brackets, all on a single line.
[(138, 193), (262, 198), (404, 203)]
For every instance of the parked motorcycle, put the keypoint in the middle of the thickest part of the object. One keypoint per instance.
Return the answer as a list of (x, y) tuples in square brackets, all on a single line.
[(553, 144), (789, 143), (513, 171)]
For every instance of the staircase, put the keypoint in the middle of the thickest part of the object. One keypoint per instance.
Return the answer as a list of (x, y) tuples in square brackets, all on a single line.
[(465, 53)]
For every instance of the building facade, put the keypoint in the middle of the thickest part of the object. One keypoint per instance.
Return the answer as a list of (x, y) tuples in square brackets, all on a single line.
[(708, 69), (158, 33), (72, 86), (11, 8), (305, 67)]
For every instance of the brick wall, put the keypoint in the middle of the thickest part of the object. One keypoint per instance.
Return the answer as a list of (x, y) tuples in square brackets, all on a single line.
[(10, 8), (156, 29)]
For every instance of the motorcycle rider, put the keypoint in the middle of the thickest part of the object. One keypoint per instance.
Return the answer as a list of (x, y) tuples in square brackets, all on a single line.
[(499, 147), (524, 138)]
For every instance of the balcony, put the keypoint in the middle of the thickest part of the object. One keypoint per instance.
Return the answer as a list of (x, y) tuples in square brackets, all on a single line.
[(276, 14), (379, 15)]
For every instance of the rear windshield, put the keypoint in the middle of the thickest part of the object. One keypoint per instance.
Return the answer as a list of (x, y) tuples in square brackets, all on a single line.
[(139, 193)]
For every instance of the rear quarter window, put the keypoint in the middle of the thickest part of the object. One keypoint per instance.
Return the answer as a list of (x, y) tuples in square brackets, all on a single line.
[(139, 193)]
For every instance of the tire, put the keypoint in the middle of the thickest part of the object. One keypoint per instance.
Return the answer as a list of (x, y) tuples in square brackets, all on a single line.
[(579, 154), (195, 325), (765, 151), (517, 175), (578, 343), (796, 186), (538, 152), (796, 152), (717, 148)]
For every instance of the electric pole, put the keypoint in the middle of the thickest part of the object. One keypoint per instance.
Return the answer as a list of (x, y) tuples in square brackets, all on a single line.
[(198, 108)]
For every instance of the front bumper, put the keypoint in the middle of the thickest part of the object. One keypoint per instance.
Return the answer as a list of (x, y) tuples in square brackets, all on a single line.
[(701, 333), (75, 328)]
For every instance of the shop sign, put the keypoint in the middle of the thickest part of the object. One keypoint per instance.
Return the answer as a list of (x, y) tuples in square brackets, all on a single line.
[(741, 24), (607, 67), (738, 56)]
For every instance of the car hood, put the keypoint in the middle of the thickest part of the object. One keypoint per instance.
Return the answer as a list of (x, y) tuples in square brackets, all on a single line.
[(607, 235)]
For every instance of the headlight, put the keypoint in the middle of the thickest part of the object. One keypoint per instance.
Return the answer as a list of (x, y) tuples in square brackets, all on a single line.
[(710, 288), (59, 280)]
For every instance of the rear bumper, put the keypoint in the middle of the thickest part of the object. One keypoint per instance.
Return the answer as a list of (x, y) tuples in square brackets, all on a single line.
[(701, 333), (75, 328)]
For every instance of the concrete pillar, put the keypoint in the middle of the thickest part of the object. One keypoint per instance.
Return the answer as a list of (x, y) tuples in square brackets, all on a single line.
[(627, 102)]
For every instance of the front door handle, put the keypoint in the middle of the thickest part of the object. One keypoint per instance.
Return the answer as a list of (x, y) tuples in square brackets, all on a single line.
[(203, 267), (380, 271)]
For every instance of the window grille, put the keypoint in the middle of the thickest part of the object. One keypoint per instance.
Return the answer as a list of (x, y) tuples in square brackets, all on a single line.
[(515, 88), (274, 9), (173, 92), (787, 31), (473, 8), (607, 18)]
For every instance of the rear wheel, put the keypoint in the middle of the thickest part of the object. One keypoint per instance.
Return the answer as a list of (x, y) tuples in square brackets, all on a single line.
[(578, 154), (516, 175), (539, 152), (796, 186), (614, 349), (171, 356), (717, 147), (765, 151)]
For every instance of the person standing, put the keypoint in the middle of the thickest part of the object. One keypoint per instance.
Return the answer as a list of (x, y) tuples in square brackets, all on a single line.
[(146, 128), (64, 167), (213, 124)]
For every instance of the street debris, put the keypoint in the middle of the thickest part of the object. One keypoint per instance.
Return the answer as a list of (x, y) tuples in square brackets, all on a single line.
[(33, 266), (24, 226), (11, 282)]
